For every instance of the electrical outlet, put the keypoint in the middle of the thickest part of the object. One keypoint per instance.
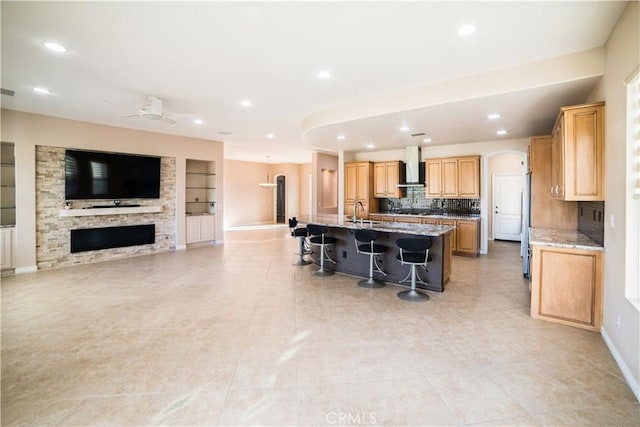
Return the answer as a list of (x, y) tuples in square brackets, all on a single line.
[(612, 221), (618, 321)]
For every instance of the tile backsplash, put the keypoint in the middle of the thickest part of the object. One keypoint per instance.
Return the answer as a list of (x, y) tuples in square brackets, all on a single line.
[(415, 200)]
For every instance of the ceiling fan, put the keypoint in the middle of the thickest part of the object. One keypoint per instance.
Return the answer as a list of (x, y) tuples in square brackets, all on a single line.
[(152, 111)]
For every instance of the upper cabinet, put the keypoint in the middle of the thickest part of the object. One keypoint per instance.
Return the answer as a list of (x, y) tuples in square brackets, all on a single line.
[(454, 177), (577, 148), (386, 177), (358, 187)]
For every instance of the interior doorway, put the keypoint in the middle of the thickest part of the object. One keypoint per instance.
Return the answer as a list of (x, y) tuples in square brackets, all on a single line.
[(281, 199), (507, 207)]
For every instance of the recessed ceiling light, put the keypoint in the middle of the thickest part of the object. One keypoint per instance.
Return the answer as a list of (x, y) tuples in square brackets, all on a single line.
[(246, 103), (225, 132), (427, 139), (501, 132), (466, 30), (341, 137), (55, 47), (41, 90), (493, 116), (324, 75), (198, 121), (270, 136), (371, 146), (404, 128)]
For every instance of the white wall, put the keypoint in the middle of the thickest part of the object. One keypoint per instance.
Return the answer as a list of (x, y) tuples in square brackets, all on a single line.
[(622, 56), (28, 130)]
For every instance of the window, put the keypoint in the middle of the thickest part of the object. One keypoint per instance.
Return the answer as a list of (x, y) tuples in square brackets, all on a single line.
[(632, 288)]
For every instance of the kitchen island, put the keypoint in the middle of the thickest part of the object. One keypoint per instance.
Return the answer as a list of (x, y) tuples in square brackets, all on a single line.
[(348, 261)]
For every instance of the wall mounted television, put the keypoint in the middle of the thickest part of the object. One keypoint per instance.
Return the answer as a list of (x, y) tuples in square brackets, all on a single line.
[(100, 175)]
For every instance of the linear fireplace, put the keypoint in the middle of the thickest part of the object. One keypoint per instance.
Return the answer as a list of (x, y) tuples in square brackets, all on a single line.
[(91, 239)]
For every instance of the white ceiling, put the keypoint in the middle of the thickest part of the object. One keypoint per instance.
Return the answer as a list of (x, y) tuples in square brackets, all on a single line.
[(205, 57)]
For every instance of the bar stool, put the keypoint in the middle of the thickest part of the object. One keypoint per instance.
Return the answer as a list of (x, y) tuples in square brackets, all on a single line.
[(414, 251), (301, 234), (318, 237), (365, 244)]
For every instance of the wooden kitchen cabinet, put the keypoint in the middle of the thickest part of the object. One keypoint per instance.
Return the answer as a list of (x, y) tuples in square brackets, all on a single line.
[(454, 233), (468, 237), (566, 286), (386, 177), (577, 151), (455, 177), (547, 211), (358, 182)]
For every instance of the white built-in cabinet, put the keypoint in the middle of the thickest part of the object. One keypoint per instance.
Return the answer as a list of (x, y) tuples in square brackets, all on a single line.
[(201, 228), (6, 248), (200, 200)]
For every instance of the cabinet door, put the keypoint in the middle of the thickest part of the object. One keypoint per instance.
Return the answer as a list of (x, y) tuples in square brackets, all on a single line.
[(433, 170), (6, 248), (467, 237), (362, 186), (193, 229), (380, 180), (430, 221), (566, 286), (450, 178), (207, 228), (393, 179), (350, 182), (583, 149), (469, 177)]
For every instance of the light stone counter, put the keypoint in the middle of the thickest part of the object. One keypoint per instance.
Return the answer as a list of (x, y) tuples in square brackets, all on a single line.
[(570, 239), (386, 227), (433, 216)]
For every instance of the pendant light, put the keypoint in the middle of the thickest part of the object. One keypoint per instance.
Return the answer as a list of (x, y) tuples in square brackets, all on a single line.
[(268, 184)]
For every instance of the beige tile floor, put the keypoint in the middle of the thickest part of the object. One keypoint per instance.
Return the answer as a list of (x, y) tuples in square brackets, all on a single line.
[(235, 335)]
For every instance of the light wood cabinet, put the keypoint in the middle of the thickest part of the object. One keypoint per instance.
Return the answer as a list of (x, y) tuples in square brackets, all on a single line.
[(386, 177), (577, 152), (547, 211), (455, 177), (468, 237), (358, 183), (465, 238), (566, 286), (200, 228)]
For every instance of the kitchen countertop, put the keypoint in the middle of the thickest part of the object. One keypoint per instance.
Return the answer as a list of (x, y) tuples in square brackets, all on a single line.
[(571, 239), (385, 227), (471, 217)]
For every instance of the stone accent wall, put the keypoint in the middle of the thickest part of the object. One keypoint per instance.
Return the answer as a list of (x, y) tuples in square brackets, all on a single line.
[(53, 232)]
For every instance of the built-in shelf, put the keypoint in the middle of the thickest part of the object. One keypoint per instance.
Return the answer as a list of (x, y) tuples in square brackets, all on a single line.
[(110, 211)]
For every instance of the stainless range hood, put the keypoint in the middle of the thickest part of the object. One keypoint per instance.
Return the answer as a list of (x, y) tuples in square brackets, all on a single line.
[(412, 165)]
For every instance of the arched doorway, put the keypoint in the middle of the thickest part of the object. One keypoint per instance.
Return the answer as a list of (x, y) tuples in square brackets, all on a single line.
[(281, 199)]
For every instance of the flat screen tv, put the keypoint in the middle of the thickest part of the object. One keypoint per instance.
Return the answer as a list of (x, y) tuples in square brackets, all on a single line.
[(99, 175)]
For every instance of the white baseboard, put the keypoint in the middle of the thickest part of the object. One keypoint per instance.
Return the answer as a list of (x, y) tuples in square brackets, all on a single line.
[(29, 269), (633, 382), (181, 247)]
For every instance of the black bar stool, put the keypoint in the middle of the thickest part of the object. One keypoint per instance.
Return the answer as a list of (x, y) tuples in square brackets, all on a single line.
[(365, 244), (318, 237), (414, 251), (301, 234)]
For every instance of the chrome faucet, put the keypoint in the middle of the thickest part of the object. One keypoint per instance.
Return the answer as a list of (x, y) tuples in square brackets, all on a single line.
[(355, 207)]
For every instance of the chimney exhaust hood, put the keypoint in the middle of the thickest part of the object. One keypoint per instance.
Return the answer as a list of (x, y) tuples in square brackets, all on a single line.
[(412, 165)]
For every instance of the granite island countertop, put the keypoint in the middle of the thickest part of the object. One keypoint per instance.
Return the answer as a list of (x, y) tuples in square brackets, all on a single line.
[(470, 217), (571, 239), (385, 227)]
